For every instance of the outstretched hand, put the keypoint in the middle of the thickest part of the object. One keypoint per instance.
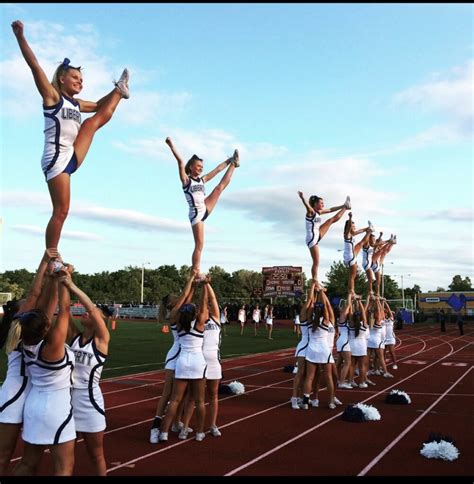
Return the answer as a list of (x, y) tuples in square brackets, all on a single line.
[(169, 142), (301, 195), (17, 27)]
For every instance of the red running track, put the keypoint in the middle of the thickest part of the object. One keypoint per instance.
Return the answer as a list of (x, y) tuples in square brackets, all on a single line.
[(262, 435)]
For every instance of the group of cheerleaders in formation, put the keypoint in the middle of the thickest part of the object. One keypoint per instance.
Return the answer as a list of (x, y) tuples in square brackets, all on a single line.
[(51, 389), (363, 332)]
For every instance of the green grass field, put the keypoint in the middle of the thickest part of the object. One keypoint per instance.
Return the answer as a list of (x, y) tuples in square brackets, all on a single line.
[(141, 346)]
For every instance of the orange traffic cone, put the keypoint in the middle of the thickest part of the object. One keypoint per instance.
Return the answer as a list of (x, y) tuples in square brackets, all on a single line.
[(113, 325), (165, 329)]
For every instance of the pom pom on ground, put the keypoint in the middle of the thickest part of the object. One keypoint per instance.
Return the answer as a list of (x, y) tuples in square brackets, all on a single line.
[(353, 414), (233, 388), (440, 450), (224, 390), (370, 413), (398, 397)]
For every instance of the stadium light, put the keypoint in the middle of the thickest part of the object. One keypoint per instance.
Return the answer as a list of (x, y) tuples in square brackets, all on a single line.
[(143, 279)]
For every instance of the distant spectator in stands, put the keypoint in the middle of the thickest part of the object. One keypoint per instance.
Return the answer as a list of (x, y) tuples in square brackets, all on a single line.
[(460, 322), (442, 320)]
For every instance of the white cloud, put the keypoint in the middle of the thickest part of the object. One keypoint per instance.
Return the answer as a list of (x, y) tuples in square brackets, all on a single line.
[(127, 218), (450, 215), (449, 94), (67, 234), (213, 145), (85, 210), (81, 43)]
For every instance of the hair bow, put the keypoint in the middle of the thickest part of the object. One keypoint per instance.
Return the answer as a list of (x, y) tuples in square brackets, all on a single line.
[(66, 62), (319, 305)]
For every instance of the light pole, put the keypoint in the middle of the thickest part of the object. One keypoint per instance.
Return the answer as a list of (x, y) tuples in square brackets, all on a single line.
[(143, 280)]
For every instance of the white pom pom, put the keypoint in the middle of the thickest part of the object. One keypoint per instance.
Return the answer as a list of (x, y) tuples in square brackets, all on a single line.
[(370, 413), (236, 387), (400, 392), (440, 450)]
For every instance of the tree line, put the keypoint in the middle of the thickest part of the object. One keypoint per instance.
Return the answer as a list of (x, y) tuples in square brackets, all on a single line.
[(124, 285)]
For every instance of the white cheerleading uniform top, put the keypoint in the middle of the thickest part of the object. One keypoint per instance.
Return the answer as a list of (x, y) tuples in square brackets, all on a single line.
[(242, 315), (375, 337), (173, 352), (212, 337), (14, 389), (256, 315), (312, 229), (89, 362), (61, 126), (191, 342), (349, 256), (304, 340), (358, 343), (319, 351), (51, 375), (195, 194), (342, 343), (389, 333), (223, 318), (191, 363), (367, 257), (16, 364)]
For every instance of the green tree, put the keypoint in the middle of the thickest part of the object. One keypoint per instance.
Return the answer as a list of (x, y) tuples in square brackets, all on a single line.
[(411, 292), (13, 287), (391, 289), (460, 284), (338, 278)]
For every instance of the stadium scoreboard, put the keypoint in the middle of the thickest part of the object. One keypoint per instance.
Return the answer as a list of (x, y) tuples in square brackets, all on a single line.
[(282, 281)]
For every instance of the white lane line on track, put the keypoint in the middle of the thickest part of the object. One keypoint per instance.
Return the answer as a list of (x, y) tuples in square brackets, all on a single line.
[(387, 449), (306, 432)]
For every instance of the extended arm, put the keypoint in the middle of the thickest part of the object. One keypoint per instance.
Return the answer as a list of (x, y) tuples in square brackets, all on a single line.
[(309, 209), (181, 165), (47, 91), (33, 296), (56, 337), (183, 297), (101, 333), (214, 306)]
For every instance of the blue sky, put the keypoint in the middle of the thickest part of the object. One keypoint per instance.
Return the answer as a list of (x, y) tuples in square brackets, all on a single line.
[(370, 100)]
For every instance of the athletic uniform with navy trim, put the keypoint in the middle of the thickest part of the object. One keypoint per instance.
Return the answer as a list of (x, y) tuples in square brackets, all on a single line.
[(318, 349), (367, 257), (61, 126), (87, 399), (210, 349), (312, 229), (375, 266), (14, 389), (375, 337), (191, 364), (342, 343), (358, 343), (389, 333), (47, 418), (173, 352), (304, 341), (349, 256), (195, 194)]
